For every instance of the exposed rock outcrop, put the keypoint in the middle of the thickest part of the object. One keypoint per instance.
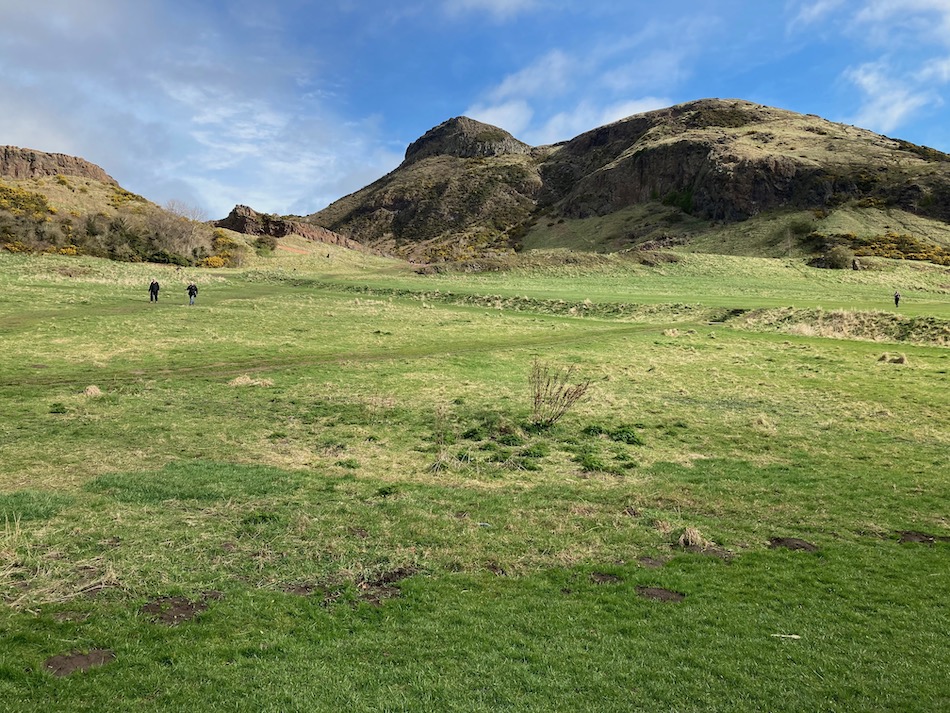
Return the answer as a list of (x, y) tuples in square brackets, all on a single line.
[(20, 163), (467, 187), (464, 138), (248, 221)]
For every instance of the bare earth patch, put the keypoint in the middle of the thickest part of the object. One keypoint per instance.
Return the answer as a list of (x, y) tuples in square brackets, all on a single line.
[(65, 664), (604, 578), (660, 594), (172, 611), (792, 543), (376, 591), (921, 537), (651, 562)]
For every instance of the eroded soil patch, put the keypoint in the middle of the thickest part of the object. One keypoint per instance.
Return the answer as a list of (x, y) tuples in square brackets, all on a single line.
[(921, 537), (376, 591), (65, 664), (792, 543), (172, 611), (660, 594)]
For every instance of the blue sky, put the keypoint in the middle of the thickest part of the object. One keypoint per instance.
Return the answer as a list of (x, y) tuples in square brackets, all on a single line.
[(287, 105)]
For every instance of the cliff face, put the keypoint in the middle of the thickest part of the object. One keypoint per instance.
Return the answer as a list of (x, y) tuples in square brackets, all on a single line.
[(731, 160), (20, 163)]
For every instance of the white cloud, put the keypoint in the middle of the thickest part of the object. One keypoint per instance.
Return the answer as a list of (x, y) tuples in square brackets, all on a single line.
[(586, 116), (551, 75), (497, 9), (936, 70), (888, 102), (816, 11), (662, 67), (904, 23), (514, 116), (179, 103)]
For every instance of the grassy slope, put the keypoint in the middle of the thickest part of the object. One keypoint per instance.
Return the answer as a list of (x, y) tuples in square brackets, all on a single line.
[(379, 434), (771, 234)]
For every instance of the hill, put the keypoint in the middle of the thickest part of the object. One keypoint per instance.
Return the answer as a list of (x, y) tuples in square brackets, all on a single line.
[(55, 203), (714, 175)]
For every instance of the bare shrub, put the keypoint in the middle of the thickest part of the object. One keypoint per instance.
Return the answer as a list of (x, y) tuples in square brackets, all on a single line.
[(553, 393)]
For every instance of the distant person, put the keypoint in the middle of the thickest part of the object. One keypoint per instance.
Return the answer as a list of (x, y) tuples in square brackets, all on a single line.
[(897, 299), (192, 291), (153, 289)]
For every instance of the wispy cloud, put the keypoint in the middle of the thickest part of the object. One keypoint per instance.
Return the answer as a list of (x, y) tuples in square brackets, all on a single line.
[(586, 116), (552, 74), (513, 116), (811, 12), (888, 102), (175, 108), (497, 9)]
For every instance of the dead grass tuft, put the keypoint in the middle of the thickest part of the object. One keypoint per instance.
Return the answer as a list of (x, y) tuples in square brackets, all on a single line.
[(663, 527), (692, 538), (92, 391)]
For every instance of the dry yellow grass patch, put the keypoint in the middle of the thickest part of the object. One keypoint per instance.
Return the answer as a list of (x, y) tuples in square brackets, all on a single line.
[(693, 538), (245, 380)]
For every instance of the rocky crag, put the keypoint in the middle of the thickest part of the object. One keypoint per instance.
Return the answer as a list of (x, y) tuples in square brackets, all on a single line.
[(18, 163), (468, 189), (247, 221)]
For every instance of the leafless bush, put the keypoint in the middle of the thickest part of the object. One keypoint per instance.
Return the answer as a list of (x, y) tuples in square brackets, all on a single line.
[(554, 393)]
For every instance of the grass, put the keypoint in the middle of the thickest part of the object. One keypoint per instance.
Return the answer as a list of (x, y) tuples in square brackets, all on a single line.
[(335, 459)]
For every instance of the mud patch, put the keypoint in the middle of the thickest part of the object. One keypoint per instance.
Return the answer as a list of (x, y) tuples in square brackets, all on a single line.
[(604, 578), (172, 611), (299, 590), (660, 594), (920, 537), (651, 562), (376, 591), (792, 543), (65, 664)]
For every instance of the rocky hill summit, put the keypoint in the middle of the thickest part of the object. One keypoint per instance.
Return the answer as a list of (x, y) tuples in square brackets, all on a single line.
[(690, 173), (18, 163), (464, 138)]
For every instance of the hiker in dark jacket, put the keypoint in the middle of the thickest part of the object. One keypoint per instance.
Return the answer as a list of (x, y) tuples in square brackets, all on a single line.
[(153, 291), (897, 299), (192, 291)]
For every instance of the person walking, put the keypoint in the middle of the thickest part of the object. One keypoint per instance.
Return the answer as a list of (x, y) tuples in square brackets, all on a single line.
[(192, 290), (153, 289), (897, 299)]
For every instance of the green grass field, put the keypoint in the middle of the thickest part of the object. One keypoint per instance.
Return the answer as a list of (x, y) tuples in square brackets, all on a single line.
[(320, 487)]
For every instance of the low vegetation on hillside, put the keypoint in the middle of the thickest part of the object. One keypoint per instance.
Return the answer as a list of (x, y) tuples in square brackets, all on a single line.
[(71, 215)]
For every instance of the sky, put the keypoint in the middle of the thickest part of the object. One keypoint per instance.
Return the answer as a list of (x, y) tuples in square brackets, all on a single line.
[(287, 105)]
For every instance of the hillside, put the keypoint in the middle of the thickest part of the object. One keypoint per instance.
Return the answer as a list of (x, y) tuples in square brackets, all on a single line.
[(714, 175), (55, 203)]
